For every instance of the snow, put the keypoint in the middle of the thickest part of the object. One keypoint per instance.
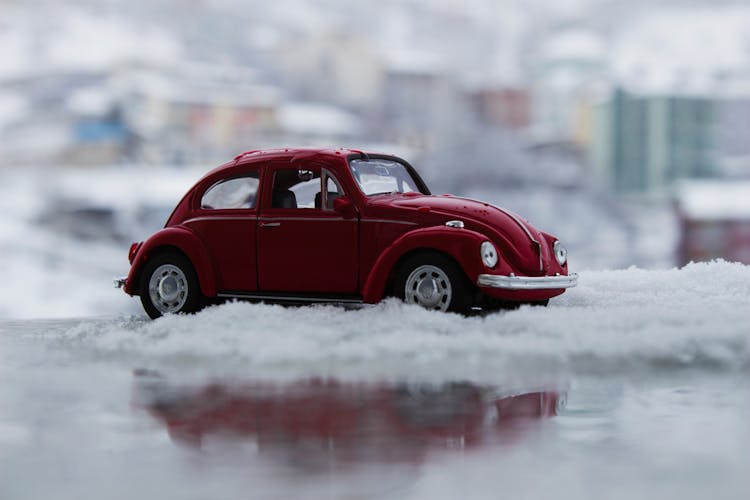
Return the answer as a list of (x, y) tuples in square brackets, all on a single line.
[(123, 187), (614, 321), (317, 119), (715, 200), (414, 62), (687, 50), (89, 41), (13, 107), (91, 101), (49, 273), (577, 44)]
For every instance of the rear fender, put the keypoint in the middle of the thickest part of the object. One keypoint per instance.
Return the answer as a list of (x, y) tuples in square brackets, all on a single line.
[(183, 240), (460, 244)]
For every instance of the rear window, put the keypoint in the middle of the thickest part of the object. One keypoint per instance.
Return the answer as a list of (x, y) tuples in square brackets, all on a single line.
[(239, 192)]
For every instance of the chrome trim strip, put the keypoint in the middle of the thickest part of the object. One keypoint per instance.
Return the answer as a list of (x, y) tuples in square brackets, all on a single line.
[(527, 282), (304, 219), (388, 221), (120, 282), (285, 298), (249, 218)]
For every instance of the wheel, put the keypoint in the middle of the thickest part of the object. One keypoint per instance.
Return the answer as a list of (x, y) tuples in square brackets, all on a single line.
[(169, 285), (433, 281)]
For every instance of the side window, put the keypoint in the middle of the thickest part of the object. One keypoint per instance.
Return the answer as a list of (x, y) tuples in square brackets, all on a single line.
[(295, 188), (305, 189), (239, 192)]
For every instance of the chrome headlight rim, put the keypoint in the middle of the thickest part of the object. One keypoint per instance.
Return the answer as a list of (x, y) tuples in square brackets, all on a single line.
[(561, 253), (489, 254)]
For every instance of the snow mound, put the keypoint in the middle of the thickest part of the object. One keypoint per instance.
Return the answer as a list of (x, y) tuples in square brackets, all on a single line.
[(622, 321)]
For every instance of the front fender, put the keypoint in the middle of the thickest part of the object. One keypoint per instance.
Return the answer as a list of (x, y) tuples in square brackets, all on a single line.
[(186, 242), (460, 244)]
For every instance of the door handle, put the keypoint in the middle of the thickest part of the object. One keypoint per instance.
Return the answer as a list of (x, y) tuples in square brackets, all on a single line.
[(270, 224)]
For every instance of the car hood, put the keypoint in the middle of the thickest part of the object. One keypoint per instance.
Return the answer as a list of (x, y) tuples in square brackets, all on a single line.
[(517, 239)]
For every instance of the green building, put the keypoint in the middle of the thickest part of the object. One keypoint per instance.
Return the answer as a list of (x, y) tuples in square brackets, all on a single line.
[(642, 143)]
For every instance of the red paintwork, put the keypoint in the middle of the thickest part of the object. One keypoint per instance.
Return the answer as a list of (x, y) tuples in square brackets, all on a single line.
[(333, 253), (376, 420)]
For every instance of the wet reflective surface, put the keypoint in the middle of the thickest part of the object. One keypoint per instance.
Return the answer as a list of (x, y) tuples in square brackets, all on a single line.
[(319, 422), (78, 424)]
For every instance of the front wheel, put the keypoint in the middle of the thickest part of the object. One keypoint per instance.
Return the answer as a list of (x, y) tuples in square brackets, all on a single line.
[(169, 285), (433, 281)]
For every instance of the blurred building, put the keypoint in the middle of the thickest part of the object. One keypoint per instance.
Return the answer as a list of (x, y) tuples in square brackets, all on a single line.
[(65, 116), (196, 112), (422, 106), (501, 107), (565, 71), (714, 221), (339, 67), (643, 143)]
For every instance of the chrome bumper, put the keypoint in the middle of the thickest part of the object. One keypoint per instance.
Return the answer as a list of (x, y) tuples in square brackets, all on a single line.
[(527, 282), (120, 282)]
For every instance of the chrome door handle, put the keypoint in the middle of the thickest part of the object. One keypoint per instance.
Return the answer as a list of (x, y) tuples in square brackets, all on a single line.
[(270, 224)]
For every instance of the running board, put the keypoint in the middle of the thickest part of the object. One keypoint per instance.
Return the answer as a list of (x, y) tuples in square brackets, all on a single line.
[(291, 297)]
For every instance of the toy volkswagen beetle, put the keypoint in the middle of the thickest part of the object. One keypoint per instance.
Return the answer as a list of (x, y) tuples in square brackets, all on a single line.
[(341, 226)]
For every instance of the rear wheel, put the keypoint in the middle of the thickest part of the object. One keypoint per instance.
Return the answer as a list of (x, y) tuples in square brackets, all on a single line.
[(169, 285), (433, 281)]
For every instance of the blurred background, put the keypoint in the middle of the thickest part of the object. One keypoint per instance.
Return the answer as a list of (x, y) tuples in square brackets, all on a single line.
[(621, 126)]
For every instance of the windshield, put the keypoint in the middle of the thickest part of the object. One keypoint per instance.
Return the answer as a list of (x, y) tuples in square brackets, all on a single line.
[(379, 176)]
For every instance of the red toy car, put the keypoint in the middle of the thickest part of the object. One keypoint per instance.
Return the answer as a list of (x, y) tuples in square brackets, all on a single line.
[(342, 226)]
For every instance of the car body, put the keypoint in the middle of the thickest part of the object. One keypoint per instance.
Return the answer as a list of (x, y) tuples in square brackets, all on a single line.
[(344, 226)]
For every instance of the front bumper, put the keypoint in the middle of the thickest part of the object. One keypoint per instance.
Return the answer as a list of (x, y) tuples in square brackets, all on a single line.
[(527, 282)]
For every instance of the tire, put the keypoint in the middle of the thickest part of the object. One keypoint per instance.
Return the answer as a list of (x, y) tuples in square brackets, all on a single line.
[(169, 285), (433, 281)]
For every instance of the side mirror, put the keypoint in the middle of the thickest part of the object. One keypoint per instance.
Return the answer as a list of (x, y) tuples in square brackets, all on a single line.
[(344, 206)]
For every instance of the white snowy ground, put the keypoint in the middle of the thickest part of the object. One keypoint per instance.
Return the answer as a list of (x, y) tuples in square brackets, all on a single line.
[(613, 322)]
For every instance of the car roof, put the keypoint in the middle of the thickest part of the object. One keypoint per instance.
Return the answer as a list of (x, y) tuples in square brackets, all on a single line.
[(283, 154)]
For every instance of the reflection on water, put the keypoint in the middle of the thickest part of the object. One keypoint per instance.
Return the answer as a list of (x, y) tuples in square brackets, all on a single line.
[(316, 421)]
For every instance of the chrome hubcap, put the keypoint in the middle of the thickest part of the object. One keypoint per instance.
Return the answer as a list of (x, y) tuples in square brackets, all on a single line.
[(429, 287), (168, 288)]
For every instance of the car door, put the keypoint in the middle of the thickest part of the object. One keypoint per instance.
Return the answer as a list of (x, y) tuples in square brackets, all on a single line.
[(304, 246), (226, 222)]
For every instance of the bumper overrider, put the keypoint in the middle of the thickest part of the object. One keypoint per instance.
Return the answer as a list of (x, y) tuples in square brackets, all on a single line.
[(527, 282)]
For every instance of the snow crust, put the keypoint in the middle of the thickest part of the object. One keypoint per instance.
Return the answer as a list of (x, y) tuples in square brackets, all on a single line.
[(615, 321)]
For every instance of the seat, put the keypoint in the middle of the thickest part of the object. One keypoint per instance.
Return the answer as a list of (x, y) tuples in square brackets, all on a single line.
[(331, 197), (284, 199)]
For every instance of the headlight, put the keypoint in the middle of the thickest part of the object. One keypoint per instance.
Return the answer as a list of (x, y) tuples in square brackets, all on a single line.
[(489, 254), (561, 253)]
